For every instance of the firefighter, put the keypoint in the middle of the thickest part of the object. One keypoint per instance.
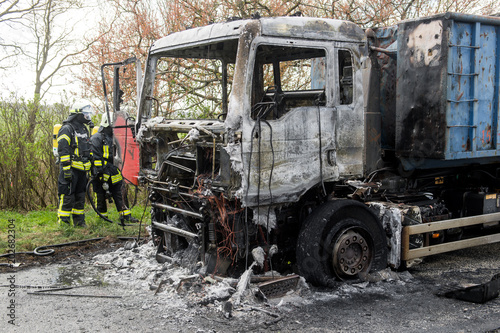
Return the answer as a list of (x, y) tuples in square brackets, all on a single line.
[(108, 180), (73, 148)]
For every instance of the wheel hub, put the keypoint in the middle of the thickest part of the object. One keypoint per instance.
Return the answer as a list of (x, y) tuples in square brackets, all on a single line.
[(351, 254)]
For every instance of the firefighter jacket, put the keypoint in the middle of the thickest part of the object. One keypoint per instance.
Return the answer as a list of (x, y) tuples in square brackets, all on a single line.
[(73, 145), (103, 153)]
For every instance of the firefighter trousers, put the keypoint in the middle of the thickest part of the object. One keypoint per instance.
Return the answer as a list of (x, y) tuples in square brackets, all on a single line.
[(71, 194), (115, 191)]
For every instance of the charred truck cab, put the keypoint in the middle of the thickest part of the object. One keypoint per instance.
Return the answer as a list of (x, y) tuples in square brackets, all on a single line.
[(328, 143)]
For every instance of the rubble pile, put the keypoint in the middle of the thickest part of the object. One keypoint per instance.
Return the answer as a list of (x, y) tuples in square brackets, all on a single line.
[(136, 268)]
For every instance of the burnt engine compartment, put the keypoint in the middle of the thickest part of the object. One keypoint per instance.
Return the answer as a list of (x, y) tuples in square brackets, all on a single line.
[(196, 216)]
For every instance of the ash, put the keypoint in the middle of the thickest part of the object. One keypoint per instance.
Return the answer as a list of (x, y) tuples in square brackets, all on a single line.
[(136, 268)]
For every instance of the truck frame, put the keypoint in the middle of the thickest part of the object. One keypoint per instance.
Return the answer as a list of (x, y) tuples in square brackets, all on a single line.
[(334, 152)]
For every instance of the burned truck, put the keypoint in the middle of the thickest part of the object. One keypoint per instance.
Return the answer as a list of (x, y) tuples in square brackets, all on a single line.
[(331, 151)]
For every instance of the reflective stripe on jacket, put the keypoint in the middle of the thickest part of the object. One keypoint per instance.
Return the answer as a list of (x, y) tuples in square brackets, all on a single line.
[(73, 145), (102, 157)]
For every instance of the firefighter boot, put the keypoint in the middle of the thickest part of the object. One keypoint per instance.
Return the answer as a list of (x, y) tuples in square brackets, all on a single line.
[(124, 219), (64, 222), (79, 223), (78, 218)]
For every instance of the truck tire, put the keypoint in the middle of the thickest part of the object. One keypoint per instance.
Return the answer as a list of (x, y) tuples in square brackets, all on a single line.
[(339, 240)]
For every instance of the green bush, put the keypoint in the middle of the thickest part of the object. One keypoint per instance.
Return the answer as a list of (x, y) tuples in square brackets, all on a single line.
[(26, 161)]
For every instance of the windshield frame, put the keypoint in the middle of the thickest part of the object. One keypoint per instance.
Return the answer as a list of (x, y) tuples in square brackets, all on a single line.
[(222, 49)]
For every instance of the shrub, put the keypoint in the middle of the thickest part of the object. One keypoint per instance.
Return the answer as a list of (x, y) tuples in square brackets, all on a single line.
[(27, 165)]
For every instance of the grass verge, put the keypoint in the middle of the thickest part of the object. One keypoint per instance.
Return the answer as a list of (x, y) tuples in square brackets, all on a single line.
[(39, 228)]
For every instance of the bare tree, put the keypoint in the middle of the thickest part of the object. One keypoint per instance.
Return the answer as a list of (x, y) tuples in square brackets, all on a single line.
[(14, 10), (57, 48), (387, 12), (11, 13), (53, 48)]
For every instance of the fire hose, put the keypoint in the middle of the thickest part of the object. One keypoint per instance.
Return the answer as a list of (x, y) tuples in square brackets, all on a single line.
[(46, 250), (123, 225), (105, 218)]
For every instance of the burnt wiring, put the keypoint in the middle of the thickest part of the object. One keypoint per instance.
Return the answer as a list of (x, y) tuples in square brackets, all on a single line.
[(142, 217), (262, 110), (225, 218), (372, 174), (227, 226), (269, 186), (318, 102)]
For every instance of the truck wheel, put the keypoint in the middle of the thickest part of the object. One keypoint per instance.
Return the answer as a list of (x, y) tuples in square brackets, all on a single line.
[(340, 240)]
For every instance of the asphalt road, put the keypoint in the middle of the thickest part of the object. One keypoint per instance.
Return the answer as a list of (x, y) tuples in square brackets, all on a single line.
[(118, 292)]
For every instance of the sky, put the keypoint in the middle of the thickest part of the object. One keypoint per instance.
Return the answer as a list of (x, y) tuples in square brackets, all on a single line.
[(19, 79)]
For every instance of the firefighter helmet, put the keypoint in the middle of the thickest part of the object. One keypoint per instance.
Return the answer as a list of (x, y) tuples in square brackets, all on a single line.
[(105, 122), (84, 107)]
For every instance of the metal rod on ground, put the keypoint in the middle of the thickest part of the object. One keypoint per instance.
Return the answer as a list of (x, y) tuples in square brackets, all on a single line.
[(60, 288), (45, 288), (272, 314), (73, 295)]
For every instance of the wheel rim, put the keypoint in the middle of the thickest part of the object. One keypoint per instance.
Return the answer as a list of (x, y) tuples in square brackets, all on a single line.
[(351, 254)]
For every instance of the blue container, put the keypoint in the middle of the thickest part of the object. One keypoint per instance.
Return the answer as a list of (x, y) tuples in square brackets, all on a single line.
[(447, 91)]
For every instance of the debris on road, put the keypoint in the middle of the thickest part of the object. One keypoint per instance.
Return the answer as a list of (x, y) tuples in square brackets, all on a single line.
[(169, 297), (138, 269), (481, 293), (279, 286)]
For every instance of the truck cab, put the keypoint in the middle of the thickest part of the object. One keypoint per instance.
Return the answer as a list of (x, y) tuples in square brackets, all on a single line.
[(267, 134)]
